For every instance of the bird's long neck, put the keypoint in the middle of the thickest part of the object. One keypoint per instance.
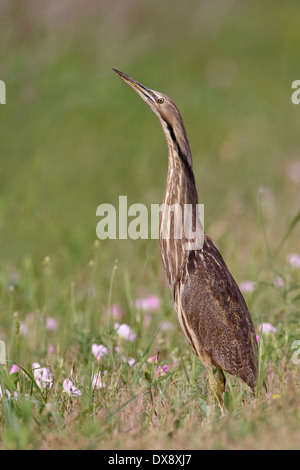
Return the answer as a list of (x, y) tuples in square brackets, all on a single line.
[(180, 186), (180, 195)]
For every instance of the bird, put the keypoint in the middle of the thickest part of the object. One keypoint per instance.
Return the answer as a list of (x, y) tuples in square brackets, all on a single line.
[(210, 307)]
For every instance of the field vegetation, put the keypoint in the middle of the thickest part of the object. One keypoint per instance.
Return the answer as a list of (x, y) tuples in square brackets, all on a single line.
[(94, 355)]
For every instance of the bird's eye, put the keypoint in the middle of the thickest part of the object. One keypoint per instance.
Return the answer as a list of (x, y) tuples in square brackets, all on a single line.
[(160, 100)]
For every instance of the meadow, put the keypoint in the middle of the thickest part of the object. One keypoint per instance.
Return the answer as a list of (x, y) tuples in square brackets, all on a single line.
[(94, 355)]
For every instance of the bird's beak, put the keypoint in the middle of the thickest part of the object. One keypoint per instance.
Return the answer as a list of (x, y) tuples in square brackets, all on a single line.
[(144, 92)]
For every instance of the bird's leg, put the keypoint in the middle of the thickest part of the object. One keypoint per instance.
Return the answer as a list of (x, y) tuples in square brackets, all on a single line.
[(217, 384)]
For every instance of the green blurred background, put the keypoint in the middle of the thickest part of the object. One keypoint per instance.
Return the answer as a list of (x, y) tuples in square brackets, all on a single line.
[(73, 135)]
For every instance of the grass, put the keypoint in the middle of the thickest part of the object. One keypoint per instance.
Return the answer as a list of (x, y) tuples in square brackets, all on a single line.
[(137, 407), (72, 137)]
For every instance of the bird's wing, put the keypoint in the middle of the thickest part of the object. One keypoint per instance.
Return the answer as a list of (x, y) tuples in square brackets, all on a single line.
[(217, 313)]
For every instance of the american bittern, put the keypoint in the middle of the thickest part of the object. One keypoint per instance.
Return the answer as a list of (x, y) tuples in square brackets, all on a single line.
[(210, 307)]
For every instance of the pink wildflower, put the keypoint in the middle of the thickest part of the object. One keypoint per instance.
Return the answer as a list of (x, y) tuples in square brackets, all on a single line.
[(51, 324), (267, 328), (70, 388), (29, 317), (152, 359), (23, 328), (98, 350), (176, 362), (124, 331), (116, 312), (162, 370), (97, 380), (166, 326), (151, 302), (8, 394), (278, 281), (294, 260), (247, 286), (42, 375), (14, 368)]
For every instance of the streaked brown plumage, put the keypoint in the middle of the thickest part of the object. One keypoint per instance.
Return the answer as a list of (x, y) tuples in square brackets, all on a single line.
[(210, 307)]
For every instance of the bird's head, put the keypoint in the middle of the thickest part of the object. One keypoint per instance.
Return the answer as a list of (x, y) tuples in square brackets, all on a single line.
[(162, 106), (167, 112)]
